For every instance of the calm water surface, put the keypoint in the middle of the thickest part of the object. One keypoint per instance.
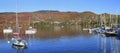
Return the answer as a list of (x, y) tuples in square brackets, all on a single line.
[(63, 41)]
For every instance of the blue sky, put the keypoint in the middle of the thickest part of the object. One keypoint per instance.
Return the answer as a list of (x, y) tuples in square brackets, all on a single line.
[(97, 6)]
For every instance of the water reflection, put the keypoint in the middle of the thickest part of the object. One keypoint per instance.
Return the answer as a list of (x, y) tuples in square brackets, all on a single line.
[(19, 49), (58, 31), (62, 39), (8, 38), (108, 44), (50, 31)]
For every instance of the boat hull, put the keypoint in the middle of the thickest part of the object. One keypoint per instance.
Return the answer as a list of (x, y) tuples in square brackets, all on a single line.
[(19, 47), (110, 34)]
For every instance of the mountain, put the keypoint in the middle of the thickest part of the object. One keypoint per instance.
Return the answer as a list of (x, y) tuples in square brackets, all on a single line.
[(46, 11), (50, 16), (7, 12)]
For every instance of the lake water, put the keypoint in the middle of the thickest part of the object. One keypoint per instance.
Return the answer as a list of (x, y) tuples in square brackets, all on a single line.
[(60, 40)]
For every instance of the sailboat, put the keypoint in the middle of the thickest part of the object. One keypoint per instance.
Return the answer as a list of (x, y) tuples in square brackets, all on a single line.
[(30, 30), (111, 31), (16, 33), (7, 30), (18, 42)]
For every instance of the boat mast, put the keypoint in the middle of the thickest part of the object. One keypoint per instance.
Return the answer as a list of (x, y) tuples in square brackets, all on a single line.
[(29, 21), (116, 19), (101, 20), (104, 20), (110, 20), (17, 25), (6, 22)]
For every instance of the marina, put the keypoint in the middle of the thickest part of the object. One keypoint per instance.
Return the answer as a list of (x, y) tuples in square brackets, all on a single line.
[(60, 26)]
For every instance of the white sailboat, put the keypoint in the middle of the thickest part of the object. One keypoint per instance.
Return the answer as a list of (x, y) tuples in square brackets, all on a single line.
[(16, 33), (18, 42), (7, 30), (31, 30)]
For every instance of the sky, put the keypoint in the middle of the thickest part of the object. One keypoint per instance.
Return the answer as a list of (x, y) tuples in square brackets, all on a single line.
[(96, 6)]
